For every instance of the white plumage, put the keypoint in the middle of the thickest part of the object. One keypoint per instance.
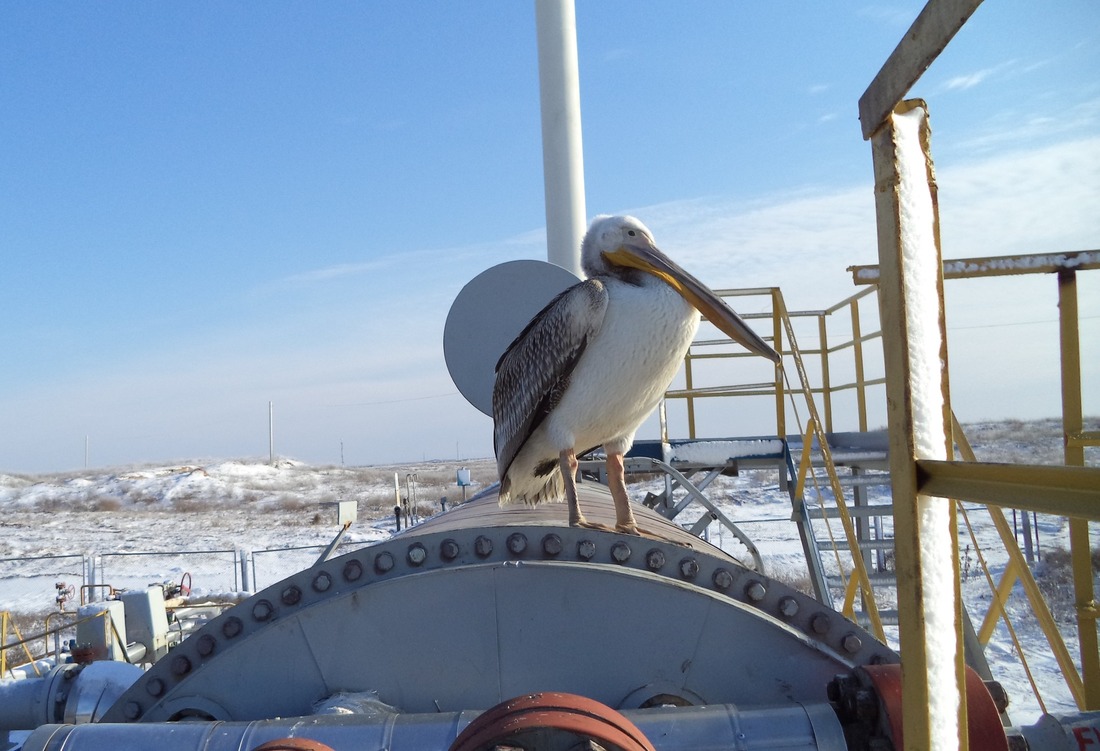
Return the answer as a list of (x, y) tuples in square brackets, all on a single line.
[(595, 362)]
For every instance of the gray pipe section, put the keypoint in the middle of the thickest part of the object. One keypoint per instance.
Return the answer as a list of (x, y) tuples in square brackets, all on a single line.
[(791, 727), (562, 154), (68, 693)]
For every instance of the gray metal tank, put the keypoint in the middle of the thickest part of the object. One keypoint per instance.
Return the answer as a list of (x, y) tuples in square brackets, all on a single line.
[(482, 604)]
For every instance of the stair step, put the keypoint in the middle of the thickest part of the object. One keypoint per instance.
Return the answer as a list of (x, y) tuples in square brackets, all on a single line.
[(883, 577), (887, 544), (856, 512)]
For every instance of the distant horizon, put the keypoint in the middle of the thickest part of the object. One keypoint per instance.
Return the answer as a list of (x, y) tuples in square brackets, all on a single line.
[(263, 460)]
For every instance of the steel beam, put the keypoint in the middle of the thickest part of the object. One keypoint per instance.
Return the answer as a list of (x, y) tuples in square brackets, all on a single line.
[(926, 38), (914, 343), (1030, 263)]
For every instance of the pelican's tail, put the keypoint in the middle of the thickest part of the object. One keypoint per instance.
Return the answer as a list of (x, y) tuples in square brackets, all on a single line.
[(531, 489)]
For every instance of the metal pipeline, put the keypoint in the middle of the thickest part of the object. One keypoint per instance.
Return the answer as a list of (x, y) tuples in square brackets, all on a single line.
[(69, 693), (790, 727)]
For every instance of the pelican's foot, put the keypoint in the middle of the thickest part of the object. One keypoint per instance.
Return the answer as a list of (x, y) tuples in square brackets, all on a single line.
[(629, 528), (584, 523)]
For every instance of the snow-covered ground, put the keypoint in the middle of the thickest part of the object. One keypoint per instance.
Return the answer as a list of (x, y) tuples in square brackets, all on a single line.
[(189, 523)]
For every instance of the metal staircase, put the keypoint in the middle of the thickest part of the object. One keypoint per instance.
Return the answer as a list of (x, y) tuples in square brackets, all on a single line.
[(860, 465)]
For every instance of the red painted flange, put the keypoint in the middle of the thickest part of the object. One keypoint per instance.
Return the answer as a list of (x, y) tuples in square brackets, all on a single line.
[(293, 744), (986, 732), (568, 713)]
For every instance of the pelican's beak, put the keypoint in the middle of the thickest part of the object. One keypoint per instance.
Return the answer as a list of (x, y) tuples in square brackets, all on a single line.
[(640, 253)]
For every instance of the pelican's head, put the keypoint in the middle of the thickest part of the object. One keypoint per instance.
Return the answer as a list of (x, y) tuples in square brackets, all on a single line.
[(624, 242)]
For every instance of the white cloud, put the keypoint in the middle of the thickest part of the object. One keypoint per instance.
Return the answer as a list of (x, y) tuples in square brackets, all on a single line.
[(969, 81)]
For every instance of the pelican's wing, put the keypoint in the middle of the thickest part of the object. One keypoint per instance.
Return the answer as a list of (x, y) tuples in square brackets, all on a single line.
[(534, 371)]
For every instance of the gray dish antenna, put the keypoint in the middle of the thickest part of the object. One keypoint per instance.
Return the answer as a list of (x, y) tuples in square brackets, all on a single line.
[(488, 314)]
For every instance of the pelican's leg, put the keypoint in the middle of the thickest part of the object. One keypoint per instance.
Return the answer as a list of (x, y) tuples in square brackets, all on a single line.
[(616, 482), (567, 462)]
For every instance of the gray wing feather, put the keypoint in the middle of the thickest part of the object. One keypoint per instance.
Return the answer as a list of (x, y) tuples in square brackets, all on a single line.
[(534, 371)]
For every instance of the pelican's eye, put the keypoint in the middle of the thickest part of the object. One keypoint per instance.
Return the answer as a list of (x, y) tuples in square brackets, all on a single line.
[(631, 232)]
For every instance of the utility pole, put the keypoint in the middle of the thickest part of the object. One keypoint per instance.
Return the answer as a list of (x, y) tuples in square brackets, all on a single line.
[(271, 432)]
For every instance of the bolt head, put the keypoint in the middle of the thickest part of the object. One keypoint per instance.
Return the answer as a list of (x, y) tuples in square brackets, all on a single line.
[(383, 562), (416, 554), (483, 546), (448, 549), (552, 545), (262, 610), (755, 590), (353, 570), (517, 543)]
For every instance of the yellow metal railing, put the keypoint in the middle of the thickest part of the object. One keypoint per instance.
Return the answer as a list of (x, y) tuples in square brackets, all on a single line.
[(824, 351), (6, 623), (1071, 491)]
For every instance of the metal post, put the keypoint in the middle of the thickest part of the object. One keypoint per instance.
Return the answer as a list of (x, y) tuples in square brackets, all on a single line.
[(826, 383), (242, 557), (918, 410), (562, 156), (271, 432), (1073, 424), (778, 311), (857, 352), (688, 386)]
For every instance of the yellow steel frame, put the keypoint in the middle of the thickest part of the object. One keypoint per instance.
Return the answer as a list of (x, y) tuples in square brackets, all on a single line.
[(6, 622), (705, 350)]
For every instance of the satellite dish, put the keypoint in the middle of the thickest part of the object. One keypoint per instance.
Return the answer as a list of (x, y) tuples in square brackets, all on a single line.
[(488, 314)]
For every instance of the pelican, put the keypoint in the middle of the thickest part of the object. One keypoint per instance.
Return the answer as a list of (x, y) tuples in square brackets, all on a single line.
[(594, 363)]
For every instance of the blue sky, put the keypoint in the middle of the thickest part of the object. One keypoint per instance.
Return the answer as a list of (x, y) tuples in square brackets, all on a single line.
[(205, 207)]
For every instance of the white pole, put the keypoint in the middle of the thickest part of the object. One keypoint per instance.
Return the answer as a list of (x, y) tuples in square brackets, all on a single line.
[(562, 155), (271, 432)]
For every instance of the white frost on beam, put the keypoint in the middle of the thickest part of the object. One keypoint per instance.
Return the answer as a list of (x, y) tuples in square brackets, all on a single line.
[(922, 310), (717, 453)]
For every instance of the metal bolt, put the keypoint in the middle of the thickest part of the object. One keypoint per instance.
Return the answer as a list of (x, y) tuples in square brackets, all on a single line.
[(866, 705), (206, 645), (689, 568), (416, 554), (448, 549), (132, 710), (262, 610), (788, 607), (483, 546), (851, 643), (998, 694), (352, 570), (620, 552), (383, 562), (820, 624), (291, 595), (722, 579), (755, 590), (552, 545), (181, 665), (517, 543), (838, 686), (232, 627), (655, 560), (155, 687), (321, 582), (586, 550)]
